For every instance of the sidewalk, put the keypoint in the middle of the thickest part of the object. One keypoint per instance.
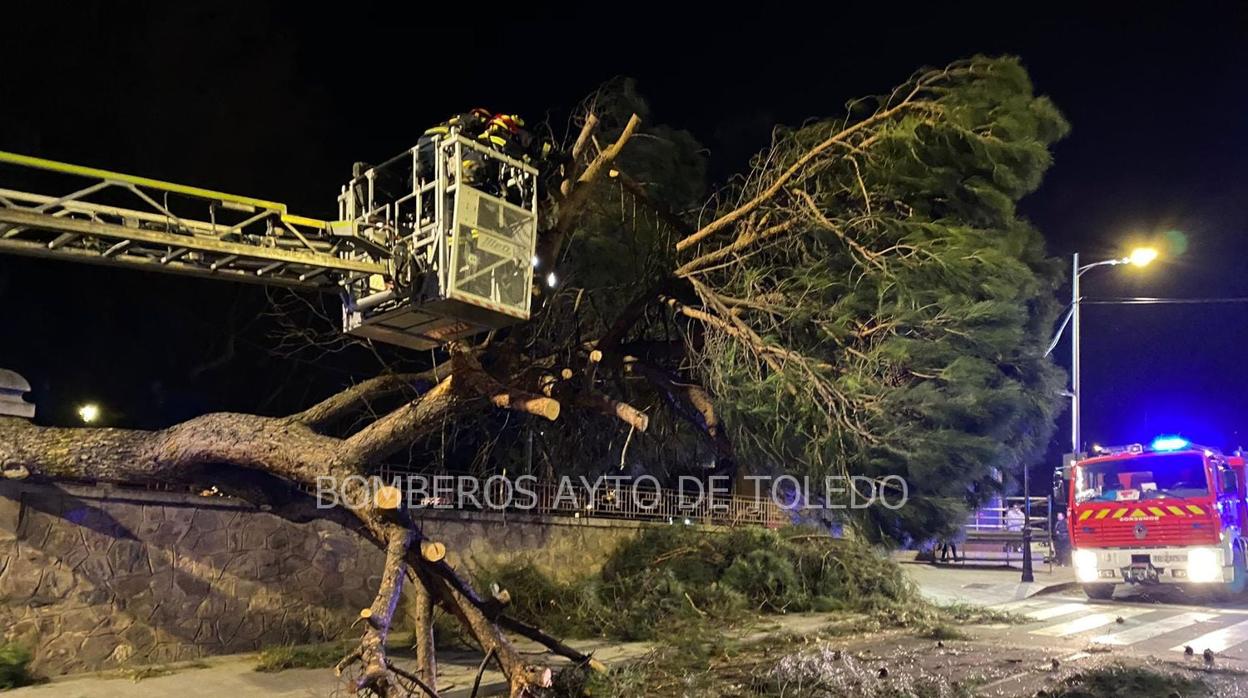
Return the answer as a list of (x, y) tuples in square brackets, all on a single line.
[(982, 586), (233, 676)]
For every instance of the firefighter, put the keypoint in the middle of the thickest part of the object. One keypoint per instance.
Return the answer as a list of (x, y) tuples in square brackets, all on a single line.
[(504, 133), (469, 124), (507, 134)]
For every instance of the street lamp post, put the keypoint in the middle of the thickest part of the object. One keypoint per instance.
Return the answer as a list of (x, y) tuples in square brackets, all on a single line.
[(1140, 257), (1076, 272), (1028, 575)]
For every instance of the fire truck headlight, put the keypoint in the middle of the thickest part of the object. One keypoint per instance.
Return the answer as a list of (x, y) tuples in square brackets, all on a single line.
[(1085, 565), (1203, 565)]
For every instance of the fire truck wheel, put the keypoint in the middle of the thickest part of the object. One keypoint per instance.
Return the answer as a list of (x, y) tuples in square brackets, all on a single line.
[(1100, 592)]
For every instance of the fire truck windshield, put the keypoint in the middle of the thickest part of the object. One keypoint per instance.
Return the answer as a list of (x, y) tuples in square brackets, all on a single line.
[(1148, 476)]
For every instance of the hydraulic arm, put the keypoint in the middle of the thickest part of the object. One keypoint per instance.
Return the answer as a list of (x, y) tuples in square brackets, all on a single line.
[(433, 245)]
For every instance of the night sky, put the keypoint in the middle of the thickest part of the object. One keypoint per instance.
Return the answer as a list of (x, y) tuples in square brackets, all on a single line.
[(278, 101)]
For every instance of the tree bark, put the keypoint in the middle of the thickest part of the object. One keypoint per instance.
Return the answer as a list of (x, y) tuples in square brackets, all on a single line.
[(426, 656)]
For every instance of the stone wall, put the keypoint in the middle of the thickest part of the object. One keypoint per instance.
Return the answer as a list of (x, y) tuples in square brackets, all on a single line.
[(93, 578)]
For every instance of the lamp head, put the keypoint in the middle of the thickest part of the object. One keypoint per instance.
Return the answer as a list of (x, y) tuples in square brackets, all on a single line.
[(89, 412), (1142, 256)]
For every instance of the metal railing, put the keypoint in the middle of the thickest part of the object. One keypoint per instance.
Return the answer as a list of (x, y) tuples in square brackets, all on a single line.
[(640, 503), (998, 521)]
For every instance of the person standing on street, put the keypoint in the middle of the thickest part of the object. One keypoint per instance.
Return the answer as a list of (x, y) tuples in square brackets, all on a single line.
[(1014, 521), (1061, 539)]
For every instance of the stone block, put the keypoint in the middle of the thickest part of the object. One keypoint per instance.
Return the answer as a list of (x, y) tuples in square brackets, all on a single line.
[(95, 568), (56, 584), (97, 649), (204, 520), (209, 543), (170, 531), (127, 557), (130, 586), (10, 516), (19, 582), (191, 586)]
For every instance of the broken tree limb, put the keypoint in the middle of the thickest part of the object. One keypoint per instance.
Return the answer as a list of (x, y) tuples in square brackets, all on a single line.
[(615, 408), (356, 397), (603, 161), (376, 674), (521, 677), (743, 241), (537, 635), (639, 193), (290, 450), (399, 428), (476, 683), (428, 690), (578, 150), (426, 654), (506, 397), (573, 203)]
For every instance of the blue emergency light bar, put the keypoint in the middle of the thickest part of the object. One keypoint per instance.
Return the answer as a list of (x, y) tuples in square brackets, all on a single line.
[(1166, 443), (1170, 443)]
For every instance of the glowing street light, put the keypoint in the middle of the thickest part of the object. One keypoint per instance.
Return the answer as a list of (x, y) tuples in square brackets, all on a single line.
[(1142, 256), (89, 412)]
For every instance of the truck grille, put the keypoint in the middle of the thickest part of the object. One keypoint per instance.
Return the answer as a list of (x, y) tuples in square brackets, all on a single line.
[(1152, 531)]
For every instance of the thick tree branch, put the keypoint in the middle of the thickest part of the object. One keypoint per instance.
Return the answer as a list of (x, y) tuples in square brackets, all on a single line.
[(276, 446), (356, 397), (426, 654), (578, 149), (744, 240), (402, 426), (660, 209), (571, 208), (788, 174), (376, 674), (614, 408), (502, 396)]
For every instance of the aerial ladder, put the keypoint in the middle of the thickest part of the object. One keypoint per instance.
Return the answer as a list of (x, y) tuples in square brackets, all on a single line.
[(433, 245)]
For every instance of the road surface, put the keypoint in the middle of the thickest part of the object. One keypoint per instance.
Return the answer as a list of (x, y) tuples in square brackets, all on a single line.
[(1134, 623)]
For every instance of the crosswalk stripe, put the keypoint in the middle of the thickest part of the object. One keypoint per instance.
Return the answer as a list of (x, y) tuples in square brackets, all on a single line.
[(1091, 621), (1020, 606), (1148, 630), (1217, 640), (1057, 611)]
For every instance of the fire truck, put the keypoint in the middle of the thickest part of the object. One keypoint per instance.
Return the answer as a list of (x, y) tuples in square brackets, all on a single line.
[(1167, 513)]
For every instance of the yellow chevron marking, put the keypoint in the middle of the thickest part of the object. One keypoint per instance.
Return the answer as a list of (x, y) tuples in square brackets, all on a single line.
[(1118, 514), (1195, 510), (1102, 513), (1156, 512), (1138, 514), (1084, 516), (1176, 511)]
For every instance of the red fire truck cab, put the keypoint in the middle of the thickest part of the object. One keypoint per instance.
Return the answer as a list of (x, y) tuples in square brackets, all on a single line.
[(1168, 513)]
